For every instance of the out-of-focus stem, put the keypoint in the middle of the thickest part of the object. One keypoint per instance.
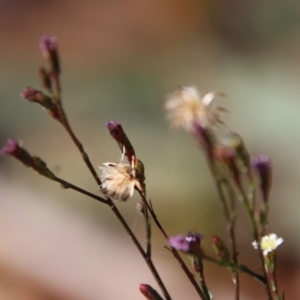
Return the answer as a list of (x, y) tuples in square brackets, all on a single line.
[(237, 267), (174, 252), (229, 216), (257, 236), (144, 254), (147, 219)]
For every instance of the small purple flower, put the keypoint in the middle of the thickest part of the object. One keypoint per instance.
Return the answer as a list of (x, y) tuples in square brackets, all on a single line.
[(10, 148), (188, 244)]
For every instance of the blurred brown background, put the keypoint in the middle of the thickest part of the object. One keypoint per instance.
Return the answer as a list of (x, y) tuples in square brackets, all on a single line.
[(119, 59)]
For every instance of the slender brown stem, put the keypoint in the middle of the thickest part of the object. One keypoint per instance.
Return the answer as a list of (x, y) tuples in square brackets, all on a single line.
[(109, 202), (67, 185), (174, 252), (147, 219), (78, 145), (146, 257), (64, 121), (116, 212)]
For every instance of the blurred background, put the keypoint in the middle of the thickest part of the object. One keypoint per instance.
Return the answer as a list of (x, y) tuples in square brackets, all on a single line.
[(120, 58)]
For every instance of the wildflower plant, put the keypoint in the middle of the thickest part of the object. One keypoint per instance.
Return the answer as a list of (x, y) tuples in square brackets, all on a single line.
[(233, 172)]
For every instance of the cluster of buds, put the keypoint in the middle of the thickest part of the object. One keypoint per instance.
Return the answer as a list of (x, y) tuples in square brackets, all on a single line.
[(49, 77), (49, 48)]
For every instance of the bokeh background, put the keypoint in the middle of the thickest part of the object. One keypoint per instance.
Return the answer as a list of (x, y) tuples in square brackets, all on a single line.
[(120, 58)]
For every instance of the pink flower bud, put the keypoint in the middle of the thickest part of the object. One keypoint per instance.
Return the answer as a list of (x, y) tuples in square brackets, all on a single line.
[(49, 49), (149, 292)]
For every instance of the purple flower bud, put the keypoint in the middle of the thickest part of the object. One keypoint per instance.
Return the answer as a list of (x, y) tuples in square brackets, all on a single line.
[(117, 132), (262, 165), (49, 49), (48, 44), (261, 162), (10, 148), (189, 244), (13, 148), (36, 96), (32, 95), (149, 292)]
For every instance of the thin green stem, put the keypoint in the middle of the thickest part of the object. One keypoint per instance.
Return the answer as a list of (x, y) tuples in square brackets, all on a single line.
[(230, 217), (237, 268), (257, 237)]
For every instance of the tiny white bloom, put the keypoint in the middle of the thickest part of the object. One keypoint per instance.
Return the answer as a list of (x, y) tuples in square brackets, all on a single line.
[(268, 243), (186, 107), (118, 181)]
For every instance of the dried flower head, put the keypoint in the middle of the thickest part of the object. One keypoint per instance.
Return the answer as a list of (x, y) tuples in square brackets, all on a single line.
[(118, 181), (185, 107), (268, 243), (188, 244)]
